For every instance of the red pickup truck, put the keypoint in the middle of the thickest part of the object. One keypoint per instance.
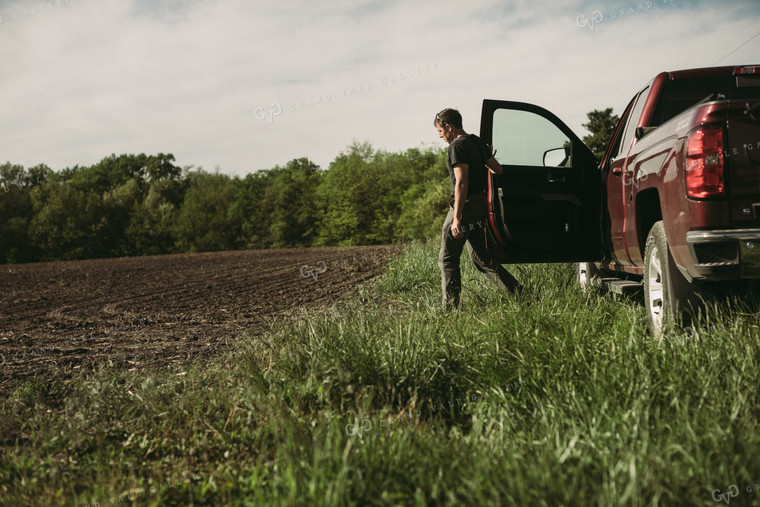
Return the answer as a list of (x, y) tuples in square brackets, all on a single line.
[(673, 207)]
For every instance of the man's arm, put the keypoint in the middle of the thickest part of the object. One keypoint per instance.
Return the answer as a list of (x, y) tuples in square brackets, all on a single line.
[(491, 163), (494, 166), (460, 195)]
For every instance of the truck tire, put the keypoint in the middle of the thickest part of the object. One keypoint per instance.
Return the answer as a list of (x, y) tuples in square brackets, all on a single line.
[(587, 275), (667, 294)]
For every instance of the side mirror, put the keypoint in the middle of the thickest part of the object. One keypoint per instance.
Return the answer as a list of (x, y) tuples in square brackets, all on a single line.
[(556, 157)]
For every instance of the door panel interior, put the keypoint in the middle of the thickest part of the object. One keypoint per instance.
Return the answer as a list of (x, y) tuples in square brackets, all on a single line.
[(545, 206)]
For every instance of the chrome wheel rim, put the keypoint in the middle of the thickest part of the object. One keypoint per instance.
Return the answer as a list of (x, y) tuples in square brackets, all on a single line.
[(654, 279), (583, 274)]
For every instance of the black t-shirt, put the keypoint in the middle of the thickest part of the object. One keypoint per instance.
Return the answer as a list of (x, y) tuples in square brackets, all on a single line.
[(471, 150)]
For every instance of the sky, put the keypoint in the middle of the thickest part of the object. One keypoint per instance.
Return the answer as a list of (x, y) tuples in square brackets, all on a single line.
[(238, 86)]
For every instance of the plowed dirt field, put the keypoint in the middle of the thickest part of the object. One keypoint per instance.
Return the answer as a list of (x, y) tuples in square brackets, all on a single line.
[(59, 319)]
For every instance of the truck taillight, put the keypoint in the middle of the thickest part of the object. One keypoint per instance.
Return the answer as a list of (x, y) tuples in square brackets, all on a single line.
[(747, 69), (704, 163)]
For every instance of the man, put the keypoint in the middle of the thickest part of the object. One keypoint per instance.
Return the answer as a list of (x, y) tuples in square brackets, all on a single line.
[(468, 162)]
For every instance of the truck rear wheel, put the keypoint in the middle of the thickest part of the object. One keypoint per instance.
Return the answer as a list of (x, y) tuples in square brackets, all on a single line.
[(667, 293)]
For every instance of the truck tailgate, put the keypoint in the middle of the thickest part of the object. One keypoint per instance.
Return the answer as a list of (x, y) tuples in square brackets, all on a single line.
[(742, 161)]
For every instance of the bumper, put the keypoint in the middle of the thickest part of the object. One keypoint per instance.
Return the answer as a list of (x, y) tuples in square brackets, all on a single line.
[(731, 254)]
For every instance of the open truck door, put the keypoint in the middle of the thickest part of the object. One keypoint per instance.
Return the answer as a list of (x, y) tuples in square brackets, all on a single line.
[(545, 206)]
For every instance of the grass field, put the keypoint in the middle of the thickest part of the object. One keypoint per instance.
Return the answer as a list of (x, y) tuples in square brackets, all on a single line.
[(553, 397)]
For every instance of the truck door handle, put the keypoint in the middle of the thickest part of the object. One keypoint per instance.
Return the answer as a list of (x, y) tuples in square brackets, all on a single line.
[(557, 179), (617, 171)]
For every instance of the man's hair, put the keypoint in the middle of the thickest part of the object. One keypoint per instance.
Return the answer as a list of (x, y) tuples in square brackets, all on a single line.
[(448, 117)]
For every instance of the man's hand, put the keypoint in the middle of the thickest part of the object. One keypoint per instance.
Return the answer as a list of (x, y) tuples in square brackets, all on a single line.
[(492, 164), (456, 228)]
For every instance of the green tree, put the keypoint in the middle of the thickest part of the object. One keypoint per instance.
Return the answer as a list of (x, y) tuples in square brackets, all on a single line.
[(424, 204), (17, 210), (87, 212), (601, 124), (362, 193), (347, 196), (144, 204), (250, 210), (423, 209), (290, 197), (120, 184), (397, 175), (203, 220), (277, 207), (152, 220), (69, 223), (151, 224)]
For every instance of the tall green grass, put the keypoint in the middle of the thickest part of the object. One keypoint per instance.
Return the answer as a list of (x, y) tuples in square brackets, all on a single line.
[(557, 396)]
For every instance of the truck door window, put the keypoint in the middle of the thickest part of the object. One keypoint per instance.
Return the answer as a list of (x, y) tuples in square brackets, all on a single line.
[(523, 138), (633, 121)]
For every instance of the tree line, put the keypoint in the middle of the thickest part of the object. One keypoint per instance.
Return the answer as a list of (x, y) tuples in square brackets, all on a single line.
[(131, 205)]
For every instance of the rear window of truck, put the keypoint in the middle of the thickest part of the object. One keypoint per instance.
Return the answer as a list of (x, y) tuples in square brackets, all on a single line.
[(679, 95)]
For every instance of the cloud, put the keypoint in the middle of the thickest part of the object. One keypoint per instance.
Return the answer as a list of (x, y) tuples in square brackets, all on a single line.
[(87, 79)]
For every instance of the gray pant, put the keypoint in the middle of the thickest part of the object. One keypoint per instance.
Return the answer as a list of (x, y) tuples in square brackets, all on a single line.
[(474, 217)]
